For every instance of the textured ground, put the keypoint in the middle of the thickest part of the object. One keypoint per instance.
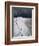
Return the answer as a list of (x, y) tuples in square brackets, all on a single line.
[(22, 26)]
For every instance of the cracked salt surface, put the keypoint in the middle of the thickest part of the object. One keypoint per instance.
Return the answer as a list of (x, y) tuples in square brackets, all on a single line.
[(22, 27)]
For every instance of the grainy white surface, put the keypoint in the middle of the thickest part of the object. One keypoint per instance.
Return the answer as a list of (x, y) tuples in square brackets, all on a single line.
[(22, 27)]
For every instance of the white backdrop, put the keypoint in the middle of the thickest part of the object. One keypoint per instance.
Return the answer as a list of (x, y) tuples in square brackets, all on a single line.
[(2, 22)]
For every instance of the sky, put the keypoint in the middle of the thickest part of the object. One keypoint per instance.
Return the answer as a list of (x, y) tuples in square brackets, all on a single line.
[(22, 12)]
